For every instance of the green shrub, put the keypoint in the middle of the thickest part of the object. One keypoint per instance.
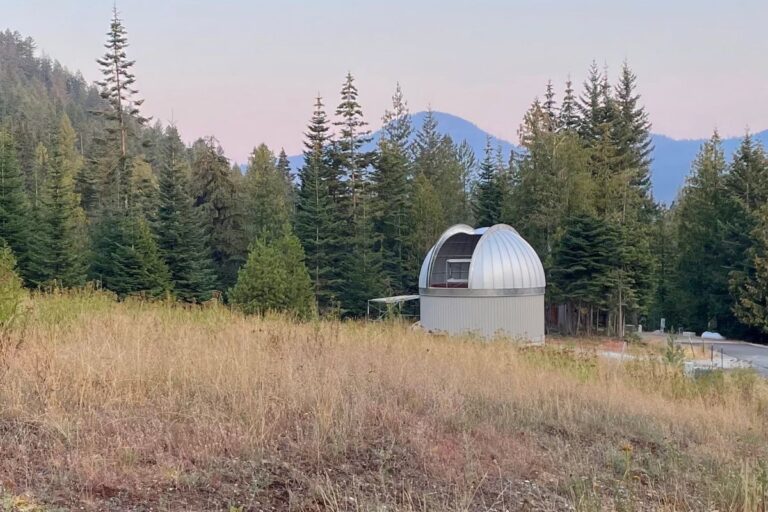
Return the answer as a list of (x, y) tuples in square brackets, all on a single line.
[(274, 279), (673, 353)]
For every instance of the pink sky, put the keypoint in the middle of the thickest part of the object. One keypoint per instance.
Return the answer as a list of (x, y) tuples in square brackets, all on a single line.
[(247, 71)]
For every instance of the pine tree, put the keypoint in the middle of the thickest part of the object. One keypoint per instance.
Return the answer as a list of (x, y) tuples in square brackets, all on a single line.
[(468, 164), (14, 208), (39, 175), (591, 106), (425, 147), (427, 221), (488, 190), (180, 238), (216, 198), (583, 273), (127, 260), (65, 220), (550, 108), (284, 169), (144, 190), (569, 113), (391, 179), (632, 132), (347, 152), (747, 180), (437, 158), (537, 197), (747, 189), (267, 196), (118, 90), (361, 263), (702, 232), (318, 223), (36, 268), (751, 289)]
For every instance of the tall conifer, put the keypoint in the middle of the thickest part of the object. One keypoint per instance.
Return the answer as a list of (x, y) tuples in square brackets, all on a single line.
[(216, 198), (14, 208), (180, 237), (318, 224)]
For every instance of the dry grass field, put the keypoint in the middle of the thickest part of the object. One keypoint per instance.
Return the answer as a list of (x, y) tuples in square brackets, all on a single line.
[(135, 406)]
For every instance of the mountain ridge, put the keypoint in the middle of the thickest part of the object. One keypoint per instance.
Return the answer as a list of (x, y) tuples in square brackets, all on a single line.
[(672, 158)]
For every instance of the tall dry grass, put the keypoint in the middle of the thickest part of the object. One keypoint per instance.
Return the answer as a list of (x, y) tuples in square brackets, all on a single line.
[(111, 406)]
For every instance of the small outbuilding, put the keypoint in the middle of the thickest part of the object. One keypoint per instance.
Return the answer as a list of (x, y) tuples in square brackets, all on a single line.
[(486, 281)]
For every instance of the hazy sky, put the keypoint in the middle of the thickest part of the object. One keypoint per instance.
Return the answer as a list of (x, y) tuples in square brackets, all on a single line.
[(247, 71)]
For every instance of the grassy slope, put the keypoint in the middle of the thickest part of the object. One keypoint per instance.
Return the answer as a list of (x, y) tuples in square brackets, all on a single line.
[(115, 406)]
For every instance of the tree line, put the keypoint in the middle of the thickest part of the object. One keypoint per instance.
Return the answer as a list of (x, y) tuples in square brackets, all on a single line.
[(92, 191)]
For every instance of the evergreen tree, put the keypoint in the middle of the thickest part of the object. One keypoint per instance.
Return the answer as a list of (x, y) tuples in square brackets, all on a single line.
[(361, 263), (436, 157), (216, 197), (14, 208), (126, 258), (267, 196), (391, 179), (274, 278), (347, 154), (747, 189), (488, 190), (118, 90), (284, 169), (318, 223), (632, 132), (39, 175), (702, 233), (583, 271), (468, 164), (427, 221), (36, 268), (144, 190), (666, 302), (550, 108), (591, 106), (569, 113), (65, 220), (180, 236), (425, 147), (747, 180), (751, 289)]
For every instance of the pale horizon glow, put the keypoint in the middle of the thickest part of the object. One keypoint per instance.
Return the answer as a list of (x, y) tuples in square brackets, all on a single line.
[(247, 72)]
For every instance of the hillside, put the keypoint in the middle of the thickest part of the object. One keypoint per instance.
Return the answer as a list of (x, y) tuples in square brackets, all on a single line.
[(136, 406), (35, 90)]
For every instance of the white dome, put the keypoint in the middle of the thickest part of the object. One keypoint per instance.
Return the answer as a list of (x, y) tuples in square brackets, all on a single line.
[(495, 258)]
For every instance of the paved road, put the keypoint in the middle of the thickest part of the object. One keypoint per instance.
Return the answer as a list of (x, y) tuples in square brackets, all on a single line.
[(756, 355)]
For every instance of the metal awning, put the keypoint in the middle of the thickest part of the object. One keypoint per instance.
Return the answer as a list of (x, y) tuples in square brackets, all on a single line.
[(394, 300)]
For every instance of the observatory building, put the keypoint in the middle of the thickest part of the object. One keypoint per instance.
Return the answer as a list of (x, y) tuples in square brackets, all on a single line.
[(486, 281)]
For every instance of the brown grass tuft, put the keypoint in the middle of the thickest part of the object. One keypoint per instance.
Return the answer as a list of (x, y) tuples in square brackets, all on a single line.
[(112, 406)]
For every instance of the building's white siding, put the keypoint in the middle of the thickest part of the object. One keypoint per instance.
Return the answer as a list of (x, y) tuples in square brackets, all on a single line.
[(520, 317)]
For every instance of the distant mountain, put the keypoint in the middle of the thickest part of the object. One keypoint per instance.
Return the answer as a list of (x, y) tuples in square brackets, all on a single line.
[(459, 129), (672, 158)]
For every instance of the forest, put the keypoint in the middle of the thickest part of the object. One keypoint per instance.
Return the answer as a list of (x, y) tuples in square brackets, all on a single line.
[(95, 194)]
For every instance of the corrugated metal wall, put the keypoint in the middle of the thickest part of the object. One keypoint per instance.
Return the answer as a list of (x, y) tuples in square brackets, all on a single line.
[(517, 317)]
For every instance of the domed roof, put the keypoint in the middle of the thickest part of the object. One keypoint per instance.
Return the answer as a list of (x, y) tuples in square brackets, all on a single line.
[(498, 258)]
